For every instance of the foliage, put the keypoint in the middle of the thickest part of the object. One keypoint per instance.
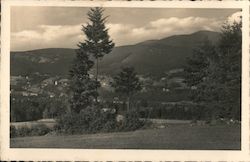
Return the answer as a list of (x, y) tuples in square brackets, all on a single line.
[(39, 130), (26, 108), (81, 85), (34, 130), (36, 107), (13, 131), (89, 120), (229, 69), (97, 43), (198, 64), (215, 72), (55, 107), (131, 121), (127, 83), (178, 112), (94, 120)]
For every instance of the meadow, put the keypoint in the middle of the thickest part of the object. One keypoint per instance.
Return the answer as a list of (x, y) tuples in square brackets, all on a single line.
[(173, 136)]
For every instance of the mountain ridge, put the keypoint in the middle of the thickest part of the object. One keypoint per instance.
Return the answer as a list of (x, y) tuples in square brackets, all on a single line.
[(148, 57)]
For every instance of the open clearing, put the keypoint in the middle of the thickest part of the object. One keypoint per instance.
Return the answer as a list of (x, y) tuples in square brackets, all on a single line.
[(174, 136)]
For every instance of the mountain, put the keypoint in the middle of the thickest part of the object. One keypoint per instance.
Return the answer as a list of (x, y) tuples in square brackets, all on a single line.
[(150, 57), (52, 61)]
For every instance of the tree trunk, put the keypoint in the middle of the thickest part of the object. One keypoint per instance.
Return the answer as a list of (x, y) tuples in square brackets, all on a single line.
[(128, 103), (97, 68)]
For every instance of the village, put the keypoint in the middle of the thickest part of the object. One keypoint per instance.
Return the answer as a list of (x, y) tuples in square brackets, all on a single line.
[(35, 85)]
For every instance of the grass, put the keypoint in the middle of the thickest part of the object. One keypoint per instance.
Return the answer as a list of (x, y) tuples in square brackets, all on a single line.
[(174, 136)]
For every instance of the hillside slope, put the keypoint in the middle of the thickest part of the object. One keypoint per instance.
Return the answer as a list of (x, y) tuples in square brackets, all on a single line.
[(150, 57)]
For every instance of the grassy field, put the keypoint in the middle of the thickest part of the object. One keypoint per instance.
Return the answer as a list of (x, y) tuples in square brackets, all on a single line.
[(174, 136)]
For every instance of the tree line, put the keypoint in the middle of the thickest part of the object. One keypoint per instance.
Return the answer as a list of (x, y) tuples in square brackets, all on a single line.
[(214, 73)]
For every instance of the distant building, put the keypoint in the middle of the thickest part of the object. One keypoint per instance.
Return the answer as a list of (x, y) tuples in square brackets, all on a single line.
[(193, 87), (165, 89), (15, 79), (49, 81), (33, 94), (105, 82), (34, 89), (116, 100), (51, 95), (172, 71), (63, 82)]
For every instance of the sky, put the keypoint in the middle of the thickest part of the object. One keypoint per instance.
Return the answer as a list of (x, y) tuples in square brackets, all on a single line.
[(60, 27)]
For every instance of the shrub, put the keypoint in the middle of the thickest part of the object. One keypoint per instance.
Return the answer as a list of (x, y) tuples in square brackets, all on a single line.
[(23, 131), (110, 126), (131, 121), (39, 130), (67, 123), (13, 131), (93, 120), (89, 120), (35, 130)]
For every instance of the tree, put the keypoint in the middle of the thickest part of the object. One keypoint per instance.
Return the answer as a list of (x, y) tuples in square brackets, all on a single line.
[(97, 41), (127, 83), (197, 68), (202, 62), (229, 73), (215, 71), (81, 85)]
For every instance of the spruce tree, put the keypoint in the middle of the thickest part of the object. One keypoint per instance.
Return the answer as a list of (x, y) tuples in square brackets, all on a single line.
[(97, 41), (127, 84), (81, 85)]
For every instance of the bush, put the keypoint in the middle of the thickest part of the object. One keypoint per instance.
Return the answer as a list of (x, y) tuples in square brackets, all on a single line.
[(67, 123), (35, 130), (131, 121), (109, 126), (39, 130), (13, 131), (89, 120), (23, 131), (93, 120)]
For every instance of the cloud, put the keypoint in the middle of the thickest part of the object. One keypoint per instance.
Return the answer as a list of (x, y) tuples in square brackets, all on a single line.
[(160, 28), (47, 36), (236, 17), (67, 36)]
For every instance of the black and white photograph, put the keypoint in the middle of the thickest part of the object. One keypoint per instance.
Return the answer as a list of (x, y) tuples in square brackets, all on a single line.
[(125, 78)]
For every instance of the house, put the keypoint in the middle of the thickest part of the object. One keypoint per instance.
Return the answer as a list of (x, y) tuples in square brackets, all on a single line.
[(51, 95), (49, 81), (34, 89), (165, 89), (33, 94), (63, 82), (116, 100), (193, 87), (15, 79)]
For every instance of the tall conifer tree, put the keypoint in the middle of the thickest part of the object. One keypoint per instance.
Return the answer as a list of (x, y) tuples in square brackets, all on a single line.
[(81, 85), (97, 41)]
